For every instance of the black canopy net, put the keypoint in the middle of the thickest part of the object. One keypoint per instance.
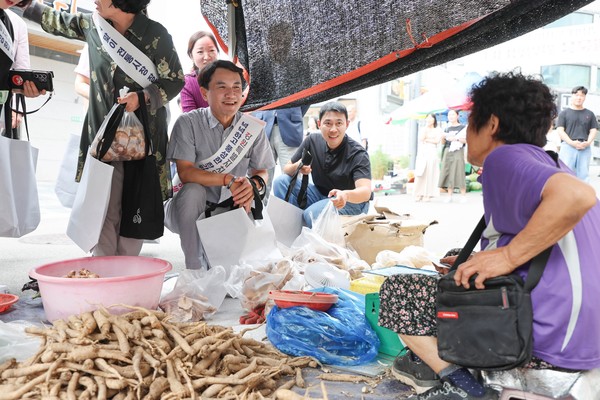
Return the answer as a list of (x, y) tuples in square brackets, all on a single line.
[(303, 52)]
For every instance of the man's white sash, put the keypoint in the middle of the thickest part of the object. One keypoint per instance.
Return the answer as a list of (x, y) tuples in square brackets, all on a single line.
[(128, 57), (237, 144), (6, 42), (233, 149)]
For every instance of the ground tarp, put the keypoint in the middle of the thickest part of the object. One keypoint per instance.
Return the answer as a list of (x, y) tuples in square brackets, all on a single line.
[(304, 52)]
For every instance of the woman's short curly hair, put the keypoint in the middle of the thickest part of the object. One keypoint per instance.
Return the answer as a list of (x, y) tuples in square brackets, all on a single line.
[(525, 107), (131, 6)]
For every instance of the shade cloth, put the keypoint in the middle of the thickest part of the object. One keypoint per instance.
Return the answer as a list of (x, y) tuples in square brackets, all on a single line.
[(304, 52)]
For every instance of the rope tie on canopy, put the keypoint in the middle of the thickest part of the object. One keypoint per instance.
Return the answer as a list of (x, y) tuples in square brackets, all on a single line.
[(424, 44)]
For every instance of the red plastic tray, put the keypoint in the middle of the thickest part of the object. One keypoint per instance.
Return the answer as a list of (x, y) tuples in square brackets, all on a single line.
[(314, 300), (7, 300)]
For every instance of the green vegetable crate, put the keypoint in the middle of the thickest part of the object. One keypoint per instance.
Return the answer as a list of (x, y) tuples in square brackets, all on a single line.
[(390, 342)]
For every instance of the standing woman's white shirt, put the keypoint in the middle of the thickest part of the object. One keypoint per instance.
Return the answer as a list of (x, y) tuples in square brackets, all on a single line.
[(20, 41)]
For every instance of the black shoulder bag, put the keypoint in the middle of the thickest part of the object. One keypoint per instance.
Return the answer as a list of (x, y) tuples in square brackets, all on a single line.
[(142, 212), (488, 328)]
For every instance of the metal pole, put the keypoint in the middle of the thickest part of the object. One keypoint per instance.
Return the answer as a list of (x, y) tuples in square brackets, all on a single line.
[(231, 29), (413, 128)]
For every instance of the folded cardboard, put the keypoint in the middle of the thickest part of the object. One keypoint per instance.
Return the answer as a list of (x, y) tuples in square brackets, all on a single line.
[(386, 230)]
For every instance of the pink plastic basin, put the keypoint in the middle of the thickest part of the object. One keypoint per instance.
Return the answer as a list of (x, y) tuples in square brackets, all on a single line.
[(135, 281)]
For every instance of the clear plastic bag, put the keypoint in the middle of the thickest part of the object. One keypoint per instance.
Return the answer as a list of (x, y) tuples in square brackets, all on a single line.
[(197, 295), (310, 247), (329, 226), (15, 343), (125, 133), (259, 279), (340, 336)]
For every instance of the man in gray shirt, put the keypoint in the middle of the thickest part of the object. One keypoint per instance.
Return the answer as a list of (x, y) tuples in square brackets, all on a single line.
[(577, 128), (220, 154)]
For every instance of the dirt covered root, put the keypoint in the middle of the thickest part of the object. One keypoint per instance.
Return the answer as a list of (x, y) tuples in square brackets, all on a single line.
[(142, 355)]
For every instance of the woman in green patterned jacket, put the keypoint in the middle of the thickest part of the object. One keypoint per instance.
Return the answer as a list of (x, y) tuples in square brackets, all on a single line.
[(107, 78)]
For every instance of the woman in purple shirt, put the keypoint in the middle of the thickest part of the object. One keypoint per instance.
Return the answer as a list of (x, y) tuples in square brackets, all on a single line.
[(202, 49), (531, 203)]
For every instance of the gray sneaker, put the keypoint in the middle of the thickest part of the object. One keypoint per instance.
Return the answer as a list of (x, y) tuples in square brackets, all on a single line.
[(447, 391), (412, 371)]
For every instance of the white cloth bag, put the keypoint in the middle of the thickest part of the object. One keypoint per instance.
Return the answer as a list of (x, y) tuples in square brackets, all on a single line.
[(66, 186), (19, 202), (287, 220), (233, 237), (90, 204)]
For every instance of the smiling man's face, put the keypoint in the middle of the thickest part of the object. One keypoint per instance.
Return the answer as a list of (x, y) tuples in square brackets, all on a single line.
[(333, 127), (224, 94)]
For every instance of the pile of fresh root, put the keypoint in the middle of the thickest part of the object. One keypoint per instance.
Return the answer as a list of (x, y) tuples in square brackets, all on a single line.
[(142, 355)]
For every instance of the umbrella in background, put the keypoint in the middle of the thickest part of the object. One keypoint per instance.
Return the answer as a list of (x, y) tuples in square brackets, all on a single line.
[(452, 96), (431, 102), (456, 95)]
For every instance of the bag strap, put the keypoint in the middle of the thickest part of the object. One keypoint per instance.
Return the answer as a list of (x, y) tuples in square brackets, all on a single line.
[(19, 99), (109, 132), (25, 113), (292, 184), (142, 113), (536, 269), (466, 251), (8, 131), (302, 198), (257, 210), (258, 204)]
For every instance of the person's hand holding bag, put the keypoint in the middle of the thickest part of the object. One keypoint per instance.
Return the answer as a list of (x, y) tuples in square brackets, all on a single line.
[(121, 135), (242, 193), (486, 264), (131, 101)]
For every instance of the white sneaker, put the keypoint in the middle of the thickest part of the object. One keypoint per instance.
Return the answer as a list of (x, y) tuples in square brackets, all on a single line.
[(448, 199), (463, 199)]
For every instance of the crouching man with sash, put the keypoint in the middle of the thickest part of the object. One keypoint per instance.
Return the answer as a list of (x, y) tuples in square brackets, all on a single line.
[(222, 158)]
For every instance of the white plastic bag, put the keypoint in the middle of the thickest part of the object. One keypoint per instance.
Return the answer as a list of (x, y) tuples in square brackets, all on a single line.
[(15, 343), (310, 247), (329, 226), (197, 295), (262, 277)]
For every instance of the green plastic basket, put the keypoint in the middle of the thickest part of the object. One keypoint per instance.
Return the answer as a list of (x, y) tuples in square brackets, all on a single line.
[(390, 342)]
